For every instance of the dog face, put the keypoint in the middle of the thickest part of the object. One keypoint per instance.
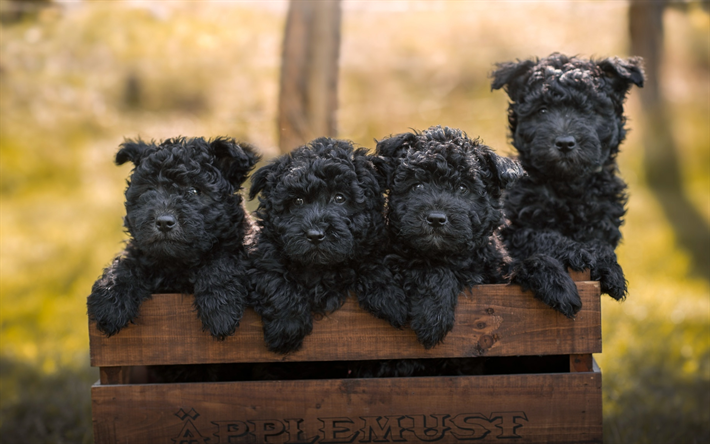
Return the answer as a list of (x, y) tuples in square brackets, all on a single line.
[(566, 115), (444, 190), (321, 203), (181, 197)]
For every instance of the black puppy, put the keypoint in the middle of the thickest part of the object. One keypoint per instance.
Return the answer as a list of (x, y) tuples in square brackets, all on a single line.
[(322, 231), (443, 212), (187, 227), (567, 120)]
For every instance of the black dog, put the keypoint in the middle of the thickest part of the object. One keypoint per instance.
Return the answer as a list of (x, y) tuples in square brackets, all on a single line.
[(566, 120), (443, 212), (187, 227), (322, 230)]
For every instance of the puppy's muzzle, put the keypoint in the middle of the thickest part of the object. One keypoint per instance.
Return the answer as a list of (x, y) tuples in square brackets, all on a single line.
[(437, 219), (165, 222), (315, 235), (565, 143)]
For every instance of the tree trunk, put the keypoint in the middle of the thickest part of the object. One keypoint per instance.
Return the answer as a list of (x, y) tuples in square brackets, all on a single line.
[(661, 163), (309, 72)]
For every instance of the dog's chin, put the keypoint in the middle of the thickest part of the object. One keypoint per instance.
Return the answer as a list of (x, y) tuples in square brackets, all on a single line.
[(319, 257), (170, 247), (573, 170), (436, 243), (169, 250), (567, 168), (326, 253)]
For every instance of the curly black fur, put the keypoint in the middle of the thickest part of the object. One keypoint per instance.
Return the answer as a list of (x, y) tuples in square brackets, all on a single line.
[(187, 228), (443, 212), (566, 121), (322, 230)]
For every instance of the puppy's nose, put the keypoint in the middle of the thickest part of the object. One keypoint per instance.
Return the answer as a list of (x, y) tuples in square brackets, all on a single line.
[(565, 143), (315, 236), (165, 222), (436, 219)]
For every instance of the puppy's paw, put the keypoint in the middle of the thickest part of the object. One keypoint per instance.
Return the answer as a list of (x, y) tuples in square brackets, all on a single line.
[(558, 290), (549, 282), (562, 295), (432, 327), (285, 335), (219, 311), (381, 296), (431, 337), (580, 260), (612, 281), (109, 315), (221, 324), (109, 325), (387, 306), (396, 316)]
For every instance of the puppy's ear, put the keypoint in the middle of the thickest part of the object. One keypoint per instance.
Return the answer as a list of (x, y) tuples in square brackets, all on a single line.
[(134, 151), (621, 74), (234, 159), (504, 170), (512, 76), (260, 179), (383, 170), (393, 146), (369, 175), (388, 151)]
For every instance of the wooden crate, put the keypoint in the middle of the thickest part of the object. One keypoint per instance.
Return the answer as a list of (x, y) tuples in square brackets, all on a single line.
[(491, 321)]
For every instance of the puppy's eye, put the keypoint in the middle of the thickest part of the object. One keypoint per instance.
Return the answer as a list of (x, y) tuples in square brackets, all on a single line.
[(418, 186), (463, 189), (193, 191), (339, 198), (298, 201), (542, 111)]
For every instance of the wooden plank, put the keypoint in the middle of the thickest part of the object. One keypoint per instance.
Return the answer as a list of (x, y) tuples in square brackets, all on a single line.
[(550, 408), (585, 275), (581, 363), (491, 320), (115, 375)]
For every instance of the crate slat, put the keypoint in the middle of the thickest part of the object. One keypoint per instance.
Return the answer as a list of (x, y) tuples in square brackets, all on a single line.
[(551, 408), (491, 320)]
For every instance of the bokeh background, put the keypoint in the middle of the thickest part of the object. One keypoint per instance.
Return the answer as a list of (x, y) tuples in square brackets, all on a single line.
[(77, 77)]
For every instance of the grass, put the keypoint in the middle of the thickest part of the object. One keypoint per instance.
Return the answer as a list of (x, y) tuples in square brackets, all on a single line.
[(43, 408), (75, 81)]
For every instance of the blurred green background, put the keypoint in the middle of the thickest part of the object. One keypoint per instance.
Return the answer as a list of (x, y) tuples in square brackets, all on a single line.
[(78, 77)]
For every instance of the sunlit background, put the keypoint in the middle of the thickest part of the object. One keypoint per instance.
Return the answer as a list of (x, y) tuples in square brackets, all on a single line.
[(78, 77)]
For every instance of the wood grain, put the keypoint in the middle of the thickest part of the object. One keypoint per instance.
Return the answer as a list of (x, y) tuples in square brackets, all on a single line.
[(584, 275), (491, 320), (549, 408), (115, 375), (581, 363)]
